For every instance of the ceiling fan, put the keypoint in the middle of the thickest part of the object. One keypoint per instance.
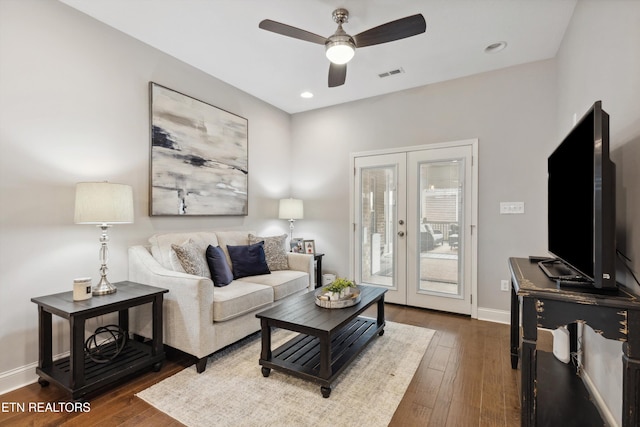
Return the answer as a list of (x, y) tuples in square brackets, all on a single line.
[(340, 47)]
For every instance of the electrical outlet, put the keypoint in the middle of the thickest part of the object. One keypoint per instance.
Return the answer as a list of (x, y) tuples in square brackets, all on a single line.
[(504, 285)]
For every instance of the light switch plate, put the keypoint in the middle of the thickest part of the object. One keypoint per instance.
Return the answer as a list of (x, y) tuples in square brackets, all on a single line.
[(511, 208)]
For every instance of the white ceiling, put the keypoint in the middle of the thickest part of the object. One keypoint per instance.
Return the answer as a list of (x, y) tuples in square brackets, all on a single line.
[(222, 38)]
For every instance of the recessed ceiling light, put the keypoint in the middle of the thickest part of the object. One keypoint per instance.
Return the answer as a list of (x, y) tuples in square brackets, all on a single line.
[(306, 94), (495, 47)]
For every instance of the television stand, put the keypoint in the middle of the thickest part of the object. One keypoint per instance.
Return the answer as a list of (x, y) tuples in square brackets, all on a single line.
[(615, 316)]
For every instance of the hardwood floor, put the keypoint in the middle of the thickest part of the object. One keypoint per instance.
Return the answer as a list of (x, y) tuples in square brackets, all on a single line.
[(464, 379)]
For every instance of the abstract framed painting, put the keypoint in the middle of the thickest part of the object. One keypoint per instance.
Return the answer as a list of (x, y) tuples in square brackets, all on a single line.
[(199, 157)]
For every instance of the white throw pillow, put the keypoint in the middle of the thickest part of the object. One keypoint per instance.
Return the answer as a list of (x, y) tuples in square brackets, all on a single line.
[(192, 258)]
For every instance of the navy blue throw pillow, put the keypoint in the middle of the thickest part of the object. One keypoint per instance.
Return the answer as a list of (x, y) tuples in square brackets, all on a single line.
[(248, 260), (220, 271)]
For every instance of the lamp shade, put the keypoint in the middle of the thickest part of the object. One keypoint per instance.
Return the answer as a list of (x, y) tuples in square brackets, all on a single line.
[(291, 209), (103, 203)]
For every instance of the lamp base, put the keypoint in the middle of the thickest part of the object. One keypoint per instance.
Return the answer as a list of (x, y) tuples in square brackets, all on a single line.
[(104, 287)]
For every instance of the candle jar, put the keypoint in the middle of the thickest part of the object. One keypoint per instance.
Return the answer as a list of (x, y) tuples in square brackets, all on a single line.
[(82, 289)]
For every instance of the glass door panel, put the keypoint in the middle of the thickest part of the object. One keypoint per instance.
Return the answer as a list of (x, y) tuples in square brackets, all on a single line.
[(378, 224), (440, 215), (380, 213)]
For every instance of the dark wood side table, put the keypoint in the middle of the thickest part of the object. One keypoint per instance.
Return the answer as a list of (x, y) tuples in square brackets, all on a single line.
[(318, 259), (78, 374), (613, 315)]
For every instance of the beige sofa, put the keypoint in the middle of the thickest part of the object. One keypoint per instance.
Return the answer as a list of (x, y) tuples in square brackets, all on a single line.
[(198, 317)]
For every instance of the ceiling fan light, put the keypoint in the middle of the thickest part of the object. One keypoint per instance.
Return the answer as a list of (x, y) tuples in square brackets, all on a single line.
[(340, 51)]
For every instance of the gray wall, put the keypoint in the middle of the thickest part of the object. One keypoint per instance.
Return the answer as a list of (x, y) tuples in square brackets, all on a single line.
[(512, 113), (74, 107), (600, 59), (519, 115)]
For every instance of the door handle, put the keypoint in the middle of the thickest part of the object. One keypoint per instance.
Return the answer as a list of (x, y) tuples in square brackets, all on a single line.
[(401, 233)]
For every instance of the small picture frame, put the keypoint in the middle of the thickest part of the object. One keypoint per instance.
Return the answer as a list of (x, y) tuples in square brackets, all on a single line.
[(310, 247), (297, 245)]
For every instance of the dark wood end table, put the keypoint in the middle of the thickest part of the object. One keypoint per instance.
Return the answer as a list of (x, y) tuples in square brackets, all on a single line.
[(318, 259), (78, 374), (329, 339), (559, 398)]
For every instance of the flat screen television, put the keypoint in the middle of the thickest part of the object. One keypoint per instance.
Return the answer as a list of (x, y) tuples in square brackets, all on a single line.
[(581, 204)]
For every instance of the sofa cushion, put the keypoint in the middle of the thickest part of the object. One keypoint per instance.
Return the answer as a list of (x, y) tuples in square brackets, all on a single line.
[(220, 271), (274, 250), (283, 282), (239, 298), (248, 260), (192, 258), (161, 246)]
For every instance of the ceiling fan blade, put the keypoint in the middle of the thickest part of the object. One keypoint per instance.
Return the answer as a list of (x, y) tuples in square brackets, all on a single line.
[(394, 30), (289, 31), (337, 74)]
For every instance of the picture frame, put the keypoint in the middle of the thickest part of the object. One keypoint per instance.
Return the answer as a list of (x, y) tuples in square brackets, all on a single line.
[(297, 245), (199, 157), (310, 247)]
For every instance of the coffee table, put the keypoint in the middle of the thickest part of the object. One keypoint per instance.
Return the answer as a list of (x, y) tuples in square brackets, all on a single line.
[(329, 339)]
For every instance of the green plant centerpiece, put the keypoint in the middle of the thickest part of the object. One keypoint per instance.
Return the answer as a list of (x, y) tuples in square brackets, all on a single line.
[(338, 294), (339, 285)]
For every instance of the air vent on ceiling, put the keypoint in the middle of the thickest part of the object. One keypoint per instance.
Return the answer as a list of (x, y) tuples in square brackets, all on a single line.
[(391, 73)]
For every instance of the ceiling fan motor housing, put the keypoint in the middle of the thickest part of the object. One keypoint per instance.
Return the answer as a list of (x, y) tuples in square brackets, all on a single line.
[(340, 16)]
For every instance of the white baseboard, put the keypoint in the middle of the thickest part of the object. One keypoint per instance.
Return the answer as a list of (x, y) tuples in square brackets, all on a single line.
[(22, 376), (595, 395), (493, 315), (19, 377)]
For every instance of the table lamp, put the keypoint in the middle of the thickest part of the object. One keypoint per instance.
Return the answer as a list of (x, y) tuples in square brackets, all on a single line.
[(291, 209), (103, 204)]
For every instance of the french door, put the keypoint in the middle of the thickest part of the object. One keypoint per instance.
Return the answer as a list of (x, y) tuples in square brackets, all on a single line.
[(414, 213)]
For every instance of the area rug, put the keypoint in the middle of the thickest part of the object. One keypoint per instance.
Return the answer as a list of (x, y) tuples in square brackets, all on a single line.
[(233, 392)]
